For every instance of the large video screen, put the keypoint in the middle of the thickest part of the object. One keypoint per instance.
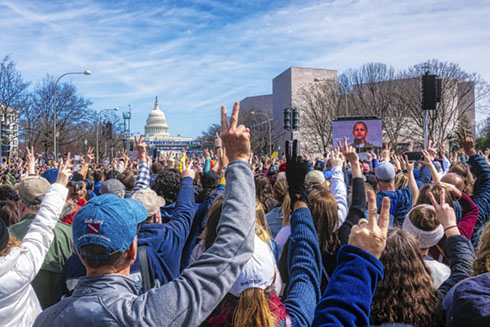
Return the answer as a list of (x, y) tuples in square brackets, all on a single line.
[(360, 133)]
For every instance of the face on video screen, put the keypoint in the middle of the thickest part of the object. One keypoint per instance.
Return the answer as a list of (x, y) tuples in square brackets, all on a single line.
[(366, 133), (360, 131)]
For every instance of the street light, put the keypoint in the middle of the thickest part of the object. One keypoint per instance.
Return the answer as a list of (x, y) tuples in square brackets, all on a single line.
[(97, 132), (86, 72), (253, 113), (345, 93)]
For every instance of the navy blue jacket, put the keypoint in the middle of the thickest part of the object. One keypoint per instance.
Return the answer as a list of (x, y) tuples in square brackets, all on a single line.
[(164, 244), (350, 290), (481, 193)]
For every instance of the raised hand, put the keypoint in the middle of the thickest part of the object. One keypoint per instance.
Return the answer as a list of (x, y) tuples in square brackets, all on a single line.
[(467, 143), (427, 159), (90, 155), (189, 173), (218, 143), (370, 235), (31, 161), (385, 154), (236, 138), (296, 170), (349, 152), (445, 214), (141, 148), (337, 158), (64, 171)]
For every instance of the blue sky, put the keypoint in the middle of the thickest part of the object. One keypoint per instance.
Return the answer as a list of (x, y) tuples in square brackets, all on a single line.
[(198, 55)]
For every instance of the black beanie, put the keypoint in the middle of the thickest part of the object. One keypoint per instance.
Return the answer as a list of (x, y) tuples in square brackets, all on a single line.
[(4, 235)]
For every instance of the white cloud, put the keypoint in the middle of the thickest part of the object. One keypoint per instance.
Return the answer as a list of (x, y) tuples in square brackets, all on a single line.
[(195, 59)]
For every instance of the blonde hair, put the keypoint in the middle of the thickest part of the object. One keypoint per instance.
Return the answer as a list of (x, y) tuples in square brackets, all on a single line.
[(13, 242), (481, 264), (261, 228), (401, 181), (253, 310)]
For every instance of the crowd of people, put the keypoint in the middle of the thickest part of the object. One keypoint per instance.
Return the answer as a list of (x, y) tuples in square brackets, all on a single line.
[(227, 238)]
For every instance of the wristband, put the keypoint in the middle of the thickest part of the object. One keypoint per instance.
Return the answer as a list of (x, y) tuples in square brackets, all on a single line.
[(448, 228)]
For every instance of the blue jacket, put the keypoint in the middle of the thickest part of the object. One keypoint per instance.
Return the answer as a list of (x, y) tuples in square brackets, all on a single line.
[(198, 223), (481, 193), (350, 290), (401, 202), (304, 262), (164, 244)]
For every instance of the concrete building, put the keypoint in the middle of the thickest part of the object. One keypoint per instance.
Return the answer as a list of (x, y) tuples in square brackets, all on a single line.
[(286, 84), (284, 88), (9, 130), (159, 139)]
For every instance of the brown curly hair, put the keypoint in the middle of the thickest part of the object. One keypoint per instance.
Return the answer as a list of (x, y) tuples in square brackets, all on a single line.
[(481, 264), (407, 293), (463, 169), (435, 189), (324, 211)]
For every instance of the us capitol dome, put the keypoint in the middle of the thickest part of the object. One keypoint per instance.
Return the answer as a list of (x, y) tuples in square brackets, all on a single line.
[(157, 136)]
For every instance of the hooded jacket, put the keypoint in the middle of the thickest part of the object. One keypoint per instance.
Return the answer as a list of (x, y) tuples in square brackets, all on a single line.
[(19, 305)]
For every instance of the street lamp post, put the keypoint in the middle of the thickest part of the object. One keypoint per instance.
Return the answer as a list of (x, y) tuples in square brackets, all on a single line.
[(86, 72), (97, 132), (270, 128)]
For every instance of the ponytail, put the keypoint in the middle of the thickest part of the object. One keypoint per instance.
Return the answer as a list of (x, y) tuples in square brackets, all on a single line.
[(253, 310)]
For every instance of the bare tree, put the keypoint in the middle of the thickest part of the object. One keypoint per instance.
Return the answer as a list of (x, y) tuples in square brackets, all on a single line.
[(461, 93), (376, 91), (319, 104), (261, 137), (72, 111), (208, 136), (13, 97)]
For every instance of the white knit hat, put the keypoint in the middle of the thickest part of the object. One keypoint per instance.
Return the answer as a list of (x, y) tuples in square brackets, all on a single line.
[(258, 271)]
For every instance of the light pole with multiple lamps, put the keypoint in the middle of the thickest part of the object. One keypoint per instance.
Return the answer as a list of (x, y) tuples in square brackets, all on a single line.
[(253, 113), (97, 132), (86, 72)]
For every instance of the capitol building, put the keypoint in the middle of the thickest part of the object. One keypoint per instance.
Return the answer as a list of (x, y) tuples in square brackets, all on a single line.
[(158, 138)]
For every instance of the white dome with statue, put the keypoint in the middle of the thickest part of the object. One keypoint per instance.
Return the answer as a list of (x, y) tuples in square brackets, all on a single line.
[(156, 123)]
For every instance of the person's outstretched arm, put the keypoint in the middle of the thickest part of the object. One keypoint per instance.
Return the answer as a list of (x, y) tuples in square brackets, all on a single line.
[(188, 300), (28, 258), (358, 204)]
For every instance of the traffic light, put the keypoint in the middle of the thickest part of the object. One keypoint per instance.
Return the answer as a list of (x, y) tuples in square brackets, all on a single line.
[(428, 92), (3, 133), (295, 119), (287, 118)]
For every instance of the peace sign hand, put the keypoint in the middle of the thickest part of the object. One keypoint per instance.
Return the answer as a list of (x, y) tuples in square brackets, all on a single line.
[(235, 138), (64, 171), (444, 212), (467, 143), (370, 235)]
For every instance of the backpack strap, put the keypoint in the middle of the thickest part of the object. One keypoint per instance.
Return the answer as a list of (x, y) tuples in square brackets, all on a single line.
[(145, 270)]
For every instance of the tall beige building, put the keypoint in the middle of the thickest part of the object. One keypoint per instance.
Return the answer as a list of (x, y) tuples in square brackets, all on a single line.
[(284, 87)]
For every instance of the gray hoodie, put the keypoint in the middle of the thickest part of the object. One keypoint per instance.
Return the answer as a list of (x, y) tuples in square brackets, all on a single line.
[(112, 300)]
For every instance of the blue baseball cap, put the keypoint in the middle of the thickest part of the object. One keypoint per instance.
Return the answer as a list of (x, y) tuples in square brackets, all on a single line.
[(109, 221)]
